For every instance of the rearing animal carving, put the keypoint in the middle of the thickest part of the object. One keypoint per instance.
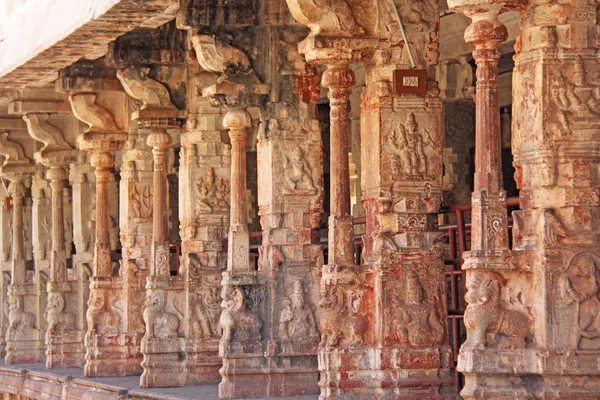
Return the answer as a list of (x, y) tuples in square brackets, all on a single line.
[(342, 325), (159, 322), (140, 86), (42, 131)]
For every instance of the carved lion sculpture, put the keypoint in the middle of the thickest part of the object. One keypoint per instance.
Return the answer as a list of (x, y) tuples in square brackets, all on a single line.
[(59, 320), (159, 323), (342, 323), (240, 325), (484, 314), (19, 320)]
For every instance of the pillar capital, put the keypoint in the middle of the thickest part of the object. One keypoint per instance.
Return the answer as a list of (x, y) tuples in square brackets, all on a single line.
[(338, 76)]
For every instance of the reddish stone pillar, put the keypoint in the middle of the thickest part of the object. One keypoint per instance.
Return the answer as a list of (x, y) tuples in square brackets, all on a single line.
[(488, 264), (339, 79)]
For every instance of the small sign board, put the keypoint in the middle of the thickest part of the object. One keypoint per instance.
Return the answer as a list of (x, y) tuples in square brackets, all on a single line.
[(409, 81)]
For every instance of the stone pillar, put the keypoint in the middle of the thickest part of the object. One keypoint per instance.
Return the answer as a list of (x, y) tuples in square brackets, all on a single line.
[(204, 187), (241, 346), (24, 338), (488, 263), (97, 101), (163, 341), (5, 263), (554, 282)]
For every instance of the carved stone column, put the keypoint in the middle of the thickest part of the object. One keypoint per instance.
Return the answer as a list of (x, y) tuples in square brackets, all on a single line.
[(204, 184), (64, 330), (5, 263), (488, 265), (97, 101), (161, 345), (24, 338), (556, 258)]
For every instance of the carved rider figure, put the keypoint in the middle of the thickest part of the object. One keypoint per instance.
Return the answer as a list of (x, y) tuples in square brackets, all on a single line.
[(59, 320), (100, 319), (417, 322), (409, 145), (18, 319), (240, 325), (297, 320), (298, 174)]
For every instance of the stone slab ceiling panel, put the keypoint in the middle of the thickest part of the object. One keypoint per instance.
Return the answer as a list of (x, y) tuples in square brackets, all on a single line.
[(58, 33)]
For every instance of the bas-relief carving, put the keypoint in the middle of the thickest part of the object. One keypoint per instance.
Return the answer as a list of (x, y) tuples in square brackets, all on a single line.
[(59, 318), (298, 173), (140, 196), (101, 318), (140, 86), (575, 98), (577, 306), (342, 323), (410, 319), (488, 324), (19, 320), (297, 324), (326, 17), (213, 193), (411, 150), (207, 311), (159, 323), (241, 326)]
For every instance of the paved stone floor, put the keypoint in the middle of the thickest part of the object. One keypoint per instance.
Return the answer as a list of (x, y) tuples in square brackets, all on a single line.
[(131, 383)]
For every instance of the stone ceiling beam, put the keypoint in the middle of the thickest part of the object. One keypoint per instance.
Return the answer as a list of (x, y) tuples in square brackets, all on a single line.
[(90, 26)]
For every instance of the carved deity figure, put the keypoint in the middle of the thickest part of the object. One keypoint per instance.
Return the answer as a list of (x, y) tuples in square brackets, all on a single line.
[(484, 314), (213, 192), (415, 322), (342, 323), (59, 320), (297, 321), (240, 325), (99, 318), (159, 323), (19, 320), (579, 307), (409, 146), (298, 173), (208, 310)]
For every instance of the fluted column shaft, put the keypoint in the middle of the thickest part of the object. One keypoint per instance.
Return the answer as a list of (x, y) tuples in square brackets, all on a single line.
[(338, 79)]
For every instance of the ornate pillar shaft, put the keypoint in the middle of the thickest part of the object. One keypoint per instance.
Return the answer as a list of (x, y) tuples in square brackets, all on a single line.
[(338, 79), (102, 162), (58, 263), (16, 191), (238, 121)]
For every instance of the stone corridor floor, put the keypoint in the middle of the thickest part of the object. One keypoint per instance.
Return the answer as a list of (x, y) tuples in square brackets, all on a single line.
[(131, 384)]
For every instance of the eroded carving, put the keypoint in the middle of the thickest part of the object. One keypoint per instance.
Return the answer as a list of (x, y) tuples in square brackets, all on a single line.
[(159, 323), (342, 324), (240, 325), (96, 116), (100, 318), (59, 319), (484, 314), (325, 17), (140, 86), (213, 192), (141, 202), (298, 173), (409, 148), (208, 311), (297, 321), (11, 151), (19, 320), (218, 56)]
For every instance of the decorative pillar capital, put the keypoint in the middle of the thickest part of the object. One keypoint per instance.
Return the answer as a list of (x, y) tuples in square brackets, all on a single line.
[(102, 160), (338, 76), (237, 120)]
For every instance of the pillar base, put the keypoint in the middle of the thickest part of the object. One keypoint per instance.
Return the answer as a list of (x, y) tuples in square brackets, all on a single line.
[(244, 378), (203, 361), (163, 363), (509, 374), (65, 350), (27, 349)]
